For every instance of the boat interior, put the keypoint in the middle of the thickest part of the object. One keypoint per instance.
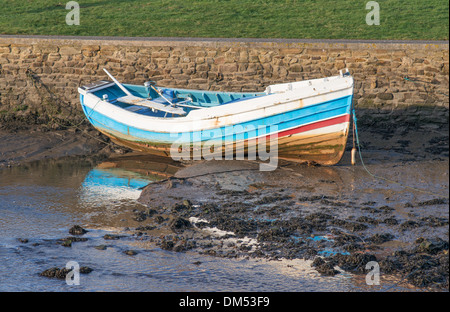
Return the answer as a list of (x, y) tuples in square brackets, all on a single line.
[(149, 97)]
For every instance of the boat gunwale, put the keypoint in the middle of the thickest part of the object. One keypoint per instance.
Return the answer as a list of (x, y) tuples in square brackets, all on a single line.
[(225, 106)]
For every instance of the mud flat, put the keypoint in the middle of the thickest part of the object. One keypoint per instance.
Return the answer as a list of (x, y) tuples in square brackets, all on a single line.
[(19, 146), (341, 217)]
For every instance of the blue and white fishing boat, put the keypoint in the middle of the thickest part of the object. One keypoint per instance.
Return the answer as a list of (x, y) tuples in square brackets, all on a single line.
[(309, 119)]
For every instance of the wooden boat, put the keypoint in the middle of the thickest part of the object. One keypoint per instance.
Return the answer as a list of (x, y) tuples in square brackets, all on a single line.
[(308, 119)]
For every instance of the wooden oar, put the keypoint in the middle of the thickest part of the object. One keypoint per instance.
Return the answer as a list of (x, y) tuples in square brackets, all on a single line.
[(134, 100), (117, 82), (128, 92)]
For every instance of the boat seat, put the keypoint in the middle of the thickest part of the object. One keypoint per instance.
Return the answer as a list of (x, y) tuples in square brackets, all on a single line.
[(206, 98), (219, 99), (135, 108), (153, 104)]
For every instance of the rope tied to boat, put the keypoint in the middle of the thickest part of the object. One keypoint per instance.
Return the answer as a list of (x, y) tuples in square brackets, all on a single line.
[(355, 127), (56, 103)]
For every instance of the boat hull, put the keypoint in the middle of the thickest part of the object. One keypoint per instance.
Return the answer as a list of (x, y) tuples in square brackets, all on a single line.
[(322, 142), (326, 151)]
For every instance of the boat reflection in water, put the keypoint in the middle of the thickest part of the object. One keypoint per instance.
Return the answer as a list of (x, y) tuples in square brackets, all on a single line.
[(121, 178)]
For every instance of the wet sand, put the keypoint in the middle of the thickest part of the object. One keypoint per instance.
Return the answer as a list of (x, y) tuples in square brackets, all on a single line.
[(25, 145), (339, 217)]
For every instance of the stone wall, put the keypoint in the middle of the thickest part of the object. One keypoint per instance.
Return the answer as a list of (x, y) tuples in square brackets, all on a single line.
[(394, 81)]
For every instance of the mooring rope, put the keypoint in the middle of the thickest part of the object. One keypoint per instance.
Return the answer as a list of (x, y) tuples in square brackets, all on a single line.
[(379, 177), (54, 99)]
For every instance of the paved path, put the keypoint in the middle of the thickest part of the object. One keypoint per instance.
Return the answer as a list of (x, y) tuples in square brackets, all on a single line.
[(274, 40)]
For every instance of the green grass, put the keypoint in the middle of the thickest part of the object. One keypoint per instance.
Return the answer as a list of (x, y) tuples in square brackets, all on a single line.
[(300, 19)]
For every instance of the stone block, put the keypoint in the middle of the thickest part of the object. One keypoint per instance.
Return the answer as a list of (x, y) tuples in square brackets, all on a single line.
[(228, 68), (202, 67), (69, 50), (295, 68), (385, 96)]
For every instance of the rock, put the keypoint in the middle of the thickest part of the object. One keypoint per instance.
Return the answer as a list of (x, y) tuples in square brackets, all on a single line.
[(111, 236), (179, 225), (140, 216), (324, 268), (130, 252), (380, 238), (318, 261), (187, 203), (150, 212), (77, 230), (62, 273), (55, 273), (436, 201), (100, 247), (85, 270), (145, 228), (435, 221), (167, 244), (76, 239), (355, 262), (390, 221), (179, 207), (67, 242), (184, 245), (431, 246), (407, 225)]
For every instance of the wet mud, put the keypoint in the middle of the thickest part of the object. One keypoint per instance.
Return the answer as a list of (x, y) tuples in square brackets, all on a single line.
[(341, 217), (268, 217), (25, 145)]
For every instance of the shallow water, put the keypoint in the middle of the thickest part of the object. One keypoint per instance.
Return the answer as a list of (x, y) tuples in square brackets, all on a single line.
[(40, 201)]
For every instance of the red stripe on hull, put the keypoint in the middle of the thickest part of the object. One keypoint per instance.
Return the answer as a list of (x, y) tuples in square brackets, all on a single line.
[(316, 125)]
